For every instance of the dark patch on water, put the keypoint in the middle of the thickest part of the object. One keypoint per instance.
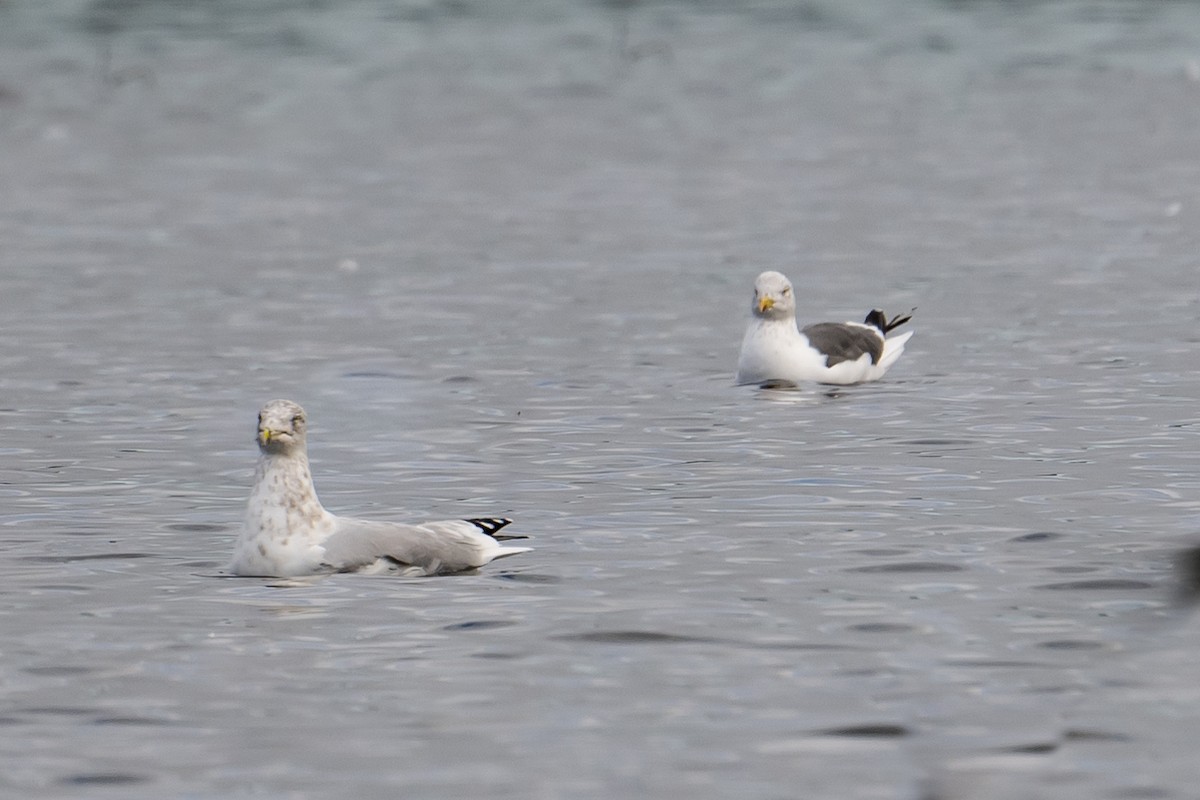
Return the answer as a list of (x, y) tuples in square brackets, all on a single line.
[(478, 625), (1039, 536), (809, 646), (1143, 793), (803, 14), (1187, 572), (1033, 749), (103, 779), (881, 627), (197, 527), (881, 730), (131, 721), (57, 671), (631, 637), (910, 567), (993, 664), (938, 442), (373, 374), (1071, 644), (59, 711), (497, 656), (1099, 585), (67, 559), (527, 577), (203, 565)]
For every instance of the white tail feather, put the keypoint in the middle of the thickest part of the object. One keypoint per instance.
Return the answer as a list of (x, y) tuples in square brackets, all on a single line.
[(893, 348)]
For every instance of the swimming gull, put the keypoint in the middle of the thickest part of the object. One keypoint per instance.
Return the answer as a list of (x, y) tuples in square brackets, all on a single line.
[(774, 350), (288, 532)]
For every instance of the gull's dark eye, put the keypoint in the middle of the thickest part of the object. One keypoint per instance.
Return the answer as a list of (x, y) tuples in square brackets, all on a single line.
[(787, 291)]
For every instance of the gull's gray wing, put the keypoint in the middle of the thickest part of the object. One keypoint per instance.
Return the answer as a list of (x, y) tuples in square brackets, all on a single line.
[(844, 341), (446, 546)]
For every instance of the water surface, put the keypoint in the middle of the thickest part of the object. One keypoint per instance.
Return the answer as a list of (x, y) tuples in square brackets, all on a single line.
[(503, 253)]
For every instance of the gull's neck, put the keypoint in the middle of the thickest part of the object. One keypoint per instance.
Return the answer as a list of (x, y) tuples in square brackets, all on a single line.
[(283, 499)]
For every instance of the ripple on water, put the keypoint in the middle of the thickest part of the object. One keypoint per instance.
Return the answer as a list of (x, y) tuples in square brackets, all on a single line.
[(909, 567), (101, 779), (70, 558), (133, 722), (526, 577), (479, 625), (1071, 644), (632, 637), (879, 730), (57, 671), (1036, 536), (197, 527), (882, 627), (1098, 585)]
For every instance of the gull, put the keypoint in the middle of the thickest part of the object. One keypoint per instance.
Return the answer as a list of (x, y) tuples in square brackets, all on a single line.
[(288, 533), (774, 350)]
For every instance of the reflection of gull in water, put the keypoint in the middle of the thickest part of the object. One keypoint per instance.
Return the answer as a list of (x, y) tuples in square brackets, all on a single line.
[(288, 533), (775, 350)]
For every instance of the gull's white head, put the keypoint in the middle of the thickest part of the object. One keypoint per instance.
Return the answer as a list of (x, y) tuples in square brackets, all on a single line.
[(773, 296), (281, 427)]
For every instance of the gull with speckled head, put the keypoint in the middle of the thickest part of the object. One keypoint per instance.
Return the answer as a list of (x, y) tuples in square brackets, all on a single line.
[(288, 533), (775, 350)]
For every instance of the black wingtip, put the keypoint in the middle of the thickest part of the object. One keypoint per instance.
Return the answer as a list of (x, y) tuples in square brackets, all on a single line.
[(876, 318), (492, 525)]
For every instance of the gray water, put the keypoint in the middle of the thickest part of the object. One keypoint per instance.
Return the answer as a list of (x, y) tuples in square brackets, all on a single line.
[(502, 253)]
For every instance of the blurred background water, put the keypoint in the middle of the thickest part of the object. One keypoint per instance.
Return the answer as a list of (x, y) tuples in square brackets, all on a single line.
[(503, 253)]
